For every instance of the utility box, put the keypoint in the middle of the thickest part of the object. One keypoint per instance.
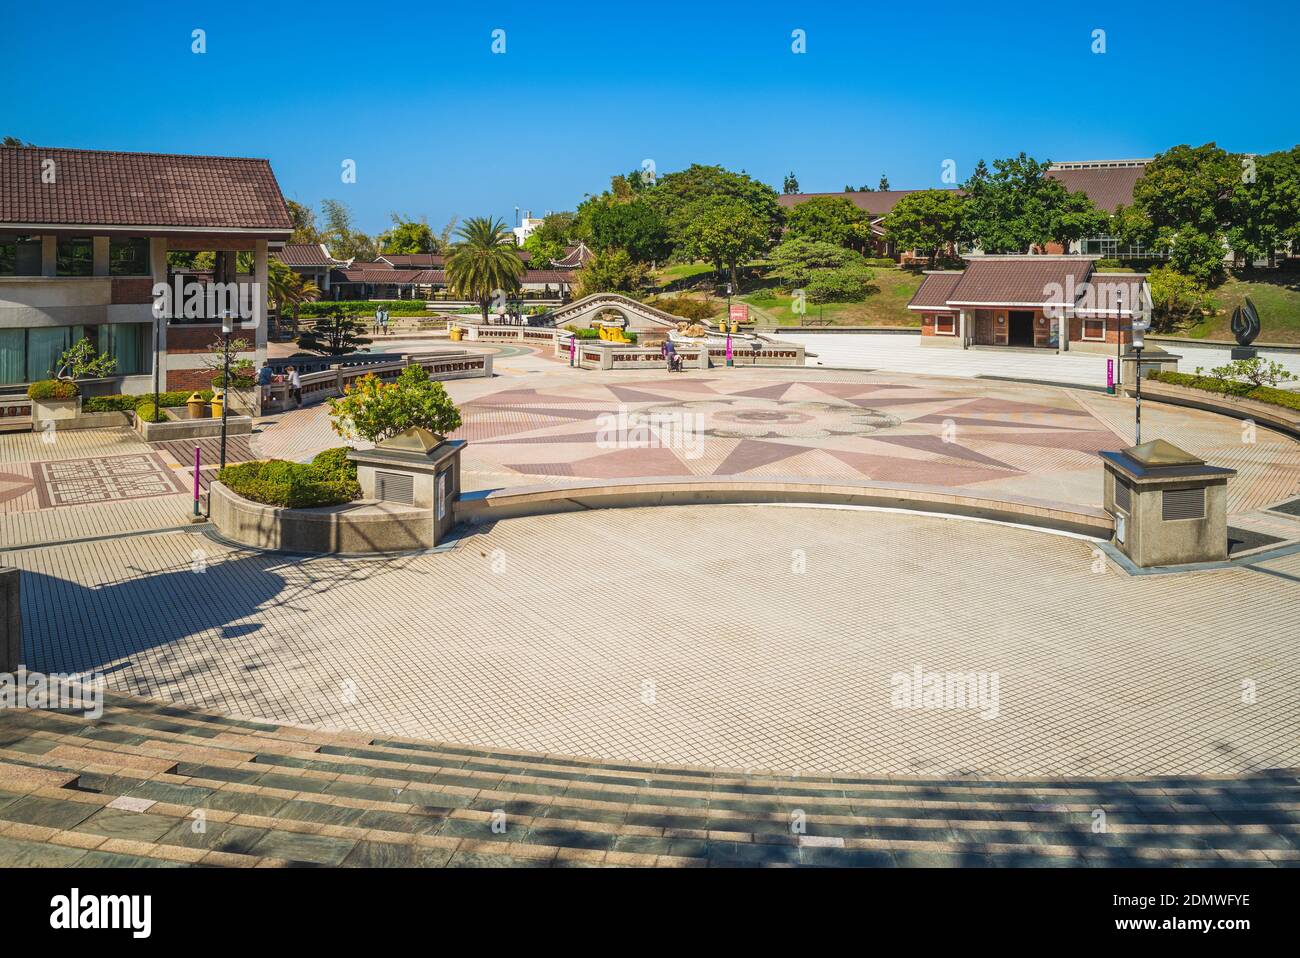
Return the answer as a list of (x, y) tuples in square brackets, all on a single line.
[(414, 468), (1170, 508)]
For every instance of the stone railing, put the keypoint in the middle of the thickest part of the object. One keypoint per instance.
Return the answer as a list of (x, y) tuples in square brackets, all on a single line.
[(328, 383), (599, 354), (15, 411)]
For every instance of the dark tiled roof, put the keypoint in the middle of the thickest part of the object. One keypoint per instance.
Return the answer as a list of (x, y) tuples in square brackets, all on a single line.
[(303, 254), (98, 188), (996, 280), (935, 290), (547, 276), (368, 274), (575, 257), (875, 202), (1107, 186), (415, 260)]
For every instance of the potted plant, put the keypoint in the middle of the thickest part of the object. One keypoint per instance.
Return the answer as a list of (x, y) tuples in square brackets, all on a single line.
[(60, 397), (54, 399)]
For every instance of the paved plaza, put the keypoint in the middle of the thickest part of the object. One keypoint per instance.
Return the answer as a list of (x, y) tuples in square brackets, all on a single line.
[(760, 636)]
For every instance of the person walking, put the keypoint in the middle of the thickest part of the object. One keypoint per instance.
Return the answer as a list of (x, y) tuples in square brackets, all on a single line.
[(379, 317), (295, 386)]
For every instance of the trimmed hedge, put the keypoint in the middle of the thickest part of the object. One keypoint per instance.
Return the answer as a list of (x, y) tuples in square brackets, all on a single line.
[(1230, 387), (328, 480), (117, 403), (363, 307), (51, 390)]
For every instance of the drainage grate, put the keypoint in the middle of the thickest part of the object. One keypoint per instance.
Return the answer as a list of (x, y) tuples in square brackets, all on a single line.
[(395, 487), (1182, 504)]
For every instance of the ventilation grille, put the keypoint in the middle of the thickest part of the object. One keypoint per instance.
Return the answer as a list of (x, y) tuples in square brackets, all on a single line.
[(1123, 496), (395, 487), (1182, 504)]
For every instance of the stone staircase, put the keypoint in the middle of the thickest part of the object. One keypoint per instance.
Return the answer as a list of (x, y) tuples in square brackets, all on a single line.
[(152, 784)]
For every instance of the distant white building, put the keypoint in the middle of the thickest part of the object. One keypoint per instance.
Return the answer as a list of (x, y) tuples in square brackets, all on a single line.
[(530, 225)]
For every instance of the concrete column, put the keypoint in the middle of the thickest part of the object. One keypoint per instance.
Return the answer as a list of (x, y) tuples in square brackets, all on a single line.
[(158, 272), (961, 327), (261, 274), (100, 267), (11, 621), (49, 255)]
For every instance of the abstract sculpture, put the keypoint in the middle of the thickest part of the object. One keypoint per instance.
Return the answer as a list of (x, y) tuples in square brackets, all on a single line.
[(1245, 326)]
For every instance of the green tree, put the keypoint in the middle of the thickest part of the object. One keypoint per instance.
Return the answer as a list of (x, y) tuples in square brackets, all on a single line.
[(725, 231), (374, 410), (1177, 300), (928, 220), (848, 284), (829, 219), (678, 196), (636, 227), (884, 182), (288, 291), (484, 264), (83, 360), (14, 141), (407, 236), (304, 223), (610, 271), (344, 240), (798, 260), (790, 184), (334, 334), (1186, 196), (1017, 207), (1264, 207)]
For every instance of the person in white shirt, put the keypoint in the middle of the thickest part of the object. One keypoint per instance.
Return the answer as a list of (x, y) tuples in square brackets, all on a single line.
[(295, 386)]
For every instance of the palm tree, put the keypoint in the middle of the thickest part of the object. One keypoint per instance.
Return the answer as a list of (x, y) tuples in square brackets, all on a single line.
[(288, 290), (484, 263)]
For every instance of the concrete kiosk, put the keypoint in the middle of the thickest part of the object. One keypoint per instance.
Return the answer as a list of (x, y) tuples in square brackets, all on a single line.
[(414, 468), (1170, 508)]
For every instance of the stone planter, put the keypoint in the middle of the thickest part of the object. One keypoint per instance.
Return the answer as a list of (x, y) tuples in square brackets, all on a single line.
[(177, 428), (360, 527), (56, 410)]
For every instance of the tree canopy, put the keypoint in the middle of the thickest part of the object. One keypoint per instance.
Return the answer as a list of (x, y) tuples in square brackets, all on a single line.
[(928, 220), (830, 219), (1018, 207)]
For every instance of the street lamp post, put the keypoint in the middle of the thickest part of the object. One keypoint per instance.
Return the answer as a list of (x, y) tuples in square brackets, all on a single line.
[(1140, 326), (227, 327)]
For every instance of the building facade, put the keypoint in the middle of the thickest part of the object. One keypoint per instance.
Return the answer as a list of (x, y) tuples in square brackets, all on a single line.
[(1035, 302), (89, 239)]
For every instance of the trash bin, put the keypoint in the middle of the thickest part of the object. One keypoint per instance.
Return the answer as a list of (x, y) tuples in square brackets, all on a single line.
[(196, 404), (218, 399), (455, 334)]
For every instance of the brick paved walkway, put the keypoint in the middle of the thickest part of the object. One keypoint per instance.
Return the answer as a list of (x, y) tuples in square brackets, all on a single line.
[(737, 636)]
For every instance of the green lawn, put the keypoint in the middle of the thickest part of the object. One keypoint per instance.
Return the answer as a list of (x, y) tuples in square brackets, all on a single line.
[(1275, 293), (886, 305)]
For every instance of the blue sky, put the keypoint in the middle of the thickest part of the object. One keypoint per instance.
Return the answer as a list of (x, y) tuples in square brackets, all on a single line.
[(439, 125)]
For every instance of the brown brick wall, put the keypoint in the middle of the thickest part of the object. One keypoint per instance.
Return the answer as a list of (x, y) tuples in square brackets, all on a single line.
[(191, 339), (132, 290), (189, 379), (928, 325)]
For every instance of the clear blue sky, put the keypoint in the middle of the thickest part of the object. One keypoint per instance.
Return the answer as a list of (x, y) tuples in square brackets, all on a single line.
[(438, 125)]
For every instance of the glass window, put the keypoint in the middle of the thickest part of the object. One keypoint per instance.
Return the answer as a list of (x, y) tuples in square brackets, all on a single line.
[(129, 344), (44, 347), (13, 356), (944, 324), (20, 256), (76, 256), (128, 256)]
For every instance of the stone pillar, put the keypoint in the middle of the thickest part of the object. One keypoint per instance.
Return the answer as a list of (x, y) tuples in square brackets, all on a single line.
[(49, 255), (100, 244), (414, 468), (11, 621), (961, 327)]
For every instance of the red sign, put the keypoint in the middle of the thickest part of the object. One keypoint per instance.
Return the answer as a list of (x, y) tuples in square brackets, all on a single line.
[(739, 313)]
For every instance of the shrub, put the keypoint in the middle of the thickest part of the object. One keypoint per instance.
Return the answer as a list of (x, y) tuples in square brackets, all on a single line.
[(847, 284), (52, 389), (328, 480), (884, 262), (149, 413), (375, 410), (1230, 387), (117, 403), (684, 306), (365, 307)]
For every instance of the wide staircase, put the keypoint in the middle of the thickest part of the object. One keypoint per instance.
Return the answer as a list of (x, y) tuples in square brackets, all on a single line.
[(152, 784)]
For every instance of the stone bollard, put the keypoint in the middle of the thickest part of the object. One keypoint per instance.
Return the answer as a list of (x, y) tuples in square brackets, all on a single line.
[(11, 621)]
